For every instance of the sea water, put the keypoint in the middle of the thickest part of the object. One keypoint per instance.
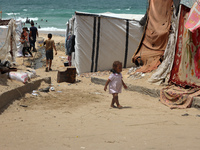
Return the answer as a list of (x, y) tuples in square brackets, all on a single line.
[(52, 15)]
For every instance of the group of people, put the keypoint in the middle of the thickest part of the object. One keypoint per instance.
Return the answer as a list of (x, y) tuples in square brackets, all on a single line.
[(28, 39), (114, 81)]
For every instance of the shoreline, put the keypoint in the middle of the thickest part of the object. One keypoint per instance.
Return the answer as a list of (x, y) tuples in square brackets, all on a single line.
[(58, 37), (57, 33)]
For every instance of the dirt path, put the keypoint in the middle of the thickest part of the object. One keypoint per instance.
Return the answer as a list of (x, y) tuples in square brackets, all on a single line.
[(77, 116)]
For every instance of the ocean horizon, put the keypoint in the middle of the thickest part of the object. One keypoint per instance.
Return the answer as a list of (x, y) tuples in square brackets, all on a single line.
[(53, 15)]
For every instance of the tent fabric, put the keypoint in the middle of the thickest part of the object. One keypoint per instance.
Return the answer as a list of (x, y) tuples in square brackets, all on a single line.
[(156, 35), (193, 21), (101, 40), (176, 5), (178, 97), (165, 67), (8, 45), (186, 66)]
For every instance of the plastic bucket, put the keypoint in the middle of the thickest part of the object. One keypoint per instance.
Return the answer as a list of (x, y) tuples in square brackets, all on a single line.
[(40, 41)]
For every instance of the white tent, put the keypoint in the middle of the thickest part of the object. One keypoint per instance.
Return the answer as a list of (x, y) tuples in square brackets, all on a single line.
[(104, 38), (8, 40)]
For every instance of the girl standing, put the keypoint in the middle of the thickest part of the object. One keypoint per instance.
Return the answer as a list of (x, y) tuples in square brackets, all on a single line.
[(115, 83)]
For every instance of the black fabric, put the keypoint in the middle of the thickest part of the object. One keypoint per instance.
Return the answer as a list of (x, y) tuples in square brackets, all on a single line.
[(26, 49), (34, 31), (176, 4), (93, 44), (126, 46), (49, 54), (98, 40)]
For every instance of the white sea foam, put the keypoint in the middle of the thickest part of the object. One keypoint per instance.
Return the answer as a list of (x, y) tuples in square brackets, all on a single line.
[(51, 29), (128, 8), (25, 10), (24, 19), (9, 14)]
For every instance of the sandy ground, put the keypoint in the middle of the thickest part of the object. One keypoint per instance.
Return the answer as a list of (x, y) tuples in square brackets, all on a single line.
[(77, 116)]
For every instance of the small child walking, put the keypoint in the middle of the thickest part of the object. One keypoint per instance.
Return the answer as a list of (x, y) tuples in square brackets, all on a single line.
[(115, 83), (50, 45), (25, 46)]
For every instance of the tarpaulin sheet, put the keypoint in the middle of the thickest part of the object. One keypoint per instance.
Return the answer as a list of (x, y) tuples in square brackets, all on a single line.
[(101, 40), (8, 45)]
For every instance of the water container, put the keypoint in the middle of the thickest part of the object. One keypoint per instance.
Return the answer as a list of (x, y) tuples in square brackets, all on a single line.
[(40, 41)]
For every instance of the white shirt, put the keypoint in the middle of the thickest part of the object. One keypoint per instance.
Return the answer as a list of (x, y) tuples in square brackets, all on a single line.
[(115, 85)]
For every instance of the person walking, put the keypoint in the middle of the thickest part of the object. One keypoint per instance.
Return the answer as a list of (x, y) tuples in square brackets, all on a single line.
[(115, 83), (50, 45), (33, 35)]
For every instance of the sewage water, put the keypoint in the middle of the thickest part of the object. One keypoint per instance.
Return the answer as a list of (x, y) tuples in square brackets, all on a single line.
[(38, 63)]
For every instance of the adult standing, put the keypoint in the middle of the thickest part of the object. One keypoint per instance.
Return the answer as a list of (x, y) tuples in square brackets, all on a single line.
[(70, 43), (33, 34)]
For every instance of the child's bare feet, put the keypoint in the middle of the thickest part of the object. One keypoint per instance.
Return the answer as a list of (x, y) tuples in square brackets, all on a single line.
[(113, 106), (119, 106)]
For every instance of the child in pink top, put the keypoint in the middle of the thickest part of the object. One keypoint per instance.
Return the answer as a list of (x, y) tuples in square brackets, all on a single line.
[(115, 83)]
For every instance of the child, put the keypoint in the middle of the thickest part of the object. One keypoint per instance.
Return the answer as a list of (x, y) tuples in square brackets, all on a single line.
[(115, 83), (25, 45), (49, 51)]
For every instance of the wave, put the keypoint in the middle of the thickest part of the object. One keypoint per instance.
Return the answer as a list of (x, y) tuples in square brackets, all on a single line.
[(24, 19), (9, 14), (128, 8), (25, 10), (51, 29)]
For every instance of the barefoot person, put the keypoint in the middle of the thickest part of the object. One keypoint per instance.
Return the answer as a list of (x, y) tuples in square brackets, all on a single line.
[(50, 45), (115, 83)]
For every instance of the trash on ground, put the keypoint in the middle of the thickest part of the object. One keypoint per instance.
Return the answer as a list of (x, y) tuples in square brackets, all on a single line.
[(19, 76), (44, 89)]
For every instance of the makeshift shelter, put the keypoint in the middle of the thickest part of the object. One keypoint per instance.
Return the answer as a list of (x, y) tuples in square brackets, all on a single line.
[(100, 39), (164, 69), (8, 46), (186, 66), (185, 71), (155, 38)]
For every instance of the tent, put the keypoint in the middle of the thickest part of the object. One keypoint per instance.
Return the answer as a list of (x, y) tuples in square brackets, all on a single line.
[(164, 69), (186, 66), (100, 39), (8, 39), (155, 38), (185, 72)]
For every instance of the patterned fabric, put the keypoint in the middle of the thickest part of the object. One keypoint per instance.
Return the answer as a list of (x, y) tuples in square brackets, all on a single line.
[(177, 97), (193, 21), (186, 66)]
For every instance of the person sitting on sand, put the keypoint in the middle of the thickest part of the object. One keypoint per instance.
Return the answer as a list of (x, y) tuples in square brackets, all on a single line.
[(25, 45), (50, 45), (115, 83)]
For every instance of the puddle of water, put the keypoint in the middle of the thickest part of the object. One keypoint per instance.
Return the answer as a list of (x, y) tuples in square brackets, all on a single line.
[(38, 62)]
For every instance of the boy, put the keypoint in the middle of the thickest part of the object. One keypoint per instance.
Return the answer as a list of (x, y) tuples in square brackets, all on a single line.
[(50, 45)]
